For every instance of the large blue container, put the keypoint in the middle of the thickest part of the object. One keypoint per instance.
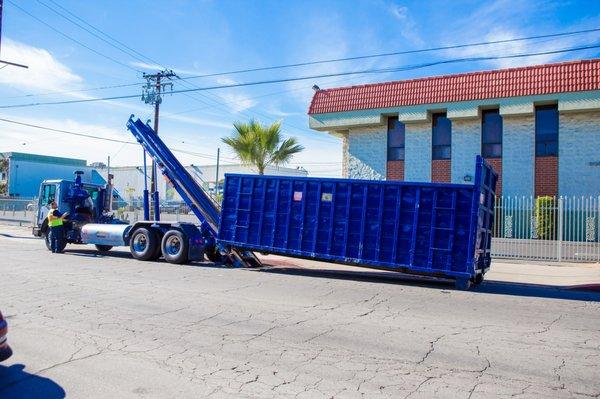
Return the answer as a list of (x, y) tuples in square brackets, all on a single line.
[(424, 228)]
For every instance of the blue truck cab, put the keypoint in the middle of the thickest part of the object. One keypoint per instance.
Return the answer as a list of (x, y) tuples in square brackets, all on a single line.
[(83, 202)]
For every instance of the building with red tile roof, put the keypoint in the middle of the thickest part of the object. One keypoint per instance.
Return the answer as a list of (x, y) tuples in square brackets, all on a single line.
[(565, 77), (538, 125)]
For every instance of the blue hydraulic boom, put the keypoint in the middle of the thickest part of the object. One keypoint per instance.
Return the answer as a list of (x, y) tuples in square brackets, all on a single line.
[(200, 203), (205, 209)]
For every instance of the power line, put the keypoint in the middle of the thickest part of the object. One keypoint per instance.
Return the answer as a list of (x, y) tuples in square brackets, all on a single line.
[(129, 53), (71, 38), (362, 57), (129, 50), (284, 80), (89, 136), (50, 93), (137, 55)]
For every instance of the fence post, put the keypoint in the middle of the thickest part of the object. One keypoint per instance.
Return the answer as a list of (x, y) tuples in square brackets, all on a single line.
[(560, 230)]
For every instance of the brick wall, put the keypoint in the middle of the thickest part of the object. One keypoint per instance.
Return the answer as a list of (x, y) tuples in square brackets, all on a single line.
[(367, 153), (518, 154), (395, 170), (546, 176), (466, 145), (441, 170), (496, 163), (578, 154), (417, 166), (345, 155)]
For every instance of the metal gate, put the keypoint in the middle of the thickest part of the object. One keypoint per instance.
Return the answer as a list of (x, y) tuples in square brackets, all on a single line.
[(547, 228)]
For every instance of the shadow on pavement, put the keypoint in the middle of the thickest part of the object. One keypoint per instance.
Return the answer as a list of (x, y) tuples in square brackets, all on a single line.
[(125, 254), (19, 237), (17, 383), (487, 287), (384, 277)]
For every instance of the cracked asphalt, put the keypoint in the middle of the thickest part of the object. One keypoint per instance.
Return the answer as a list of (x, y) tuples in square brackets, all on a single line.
[(89, 326)]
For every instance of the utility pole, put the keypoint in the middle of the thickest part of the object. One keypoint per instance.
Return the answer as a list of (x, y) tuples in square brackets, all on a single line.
[(156, 84), (217, 176)]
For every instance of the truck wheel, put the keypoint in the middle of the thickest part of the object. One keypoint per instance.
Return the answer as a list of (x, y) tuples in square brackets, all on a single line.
[(175, 247), (47, 240), (143, 244), (103, 248), (214, 255)]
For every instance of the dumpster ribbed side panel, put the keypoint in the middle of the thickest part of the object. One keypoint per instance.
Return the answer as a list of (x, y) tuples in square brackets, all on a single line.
[(427, 228)]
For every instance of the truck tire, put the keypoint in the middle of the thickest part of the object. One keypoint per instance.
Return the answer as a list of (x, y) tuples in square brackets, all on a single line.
[(103, 248), (214, 255), (48, 242), (175, 247), (144, 244)]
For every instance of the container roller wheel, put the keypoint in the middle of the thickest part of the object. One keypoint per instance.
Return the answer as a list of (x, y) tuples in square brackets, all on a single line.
[(462, 284)]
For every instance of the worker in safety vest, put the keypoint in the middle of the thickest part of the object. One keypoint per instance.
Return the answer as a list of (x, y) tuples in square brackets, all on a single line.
[(55, 223)]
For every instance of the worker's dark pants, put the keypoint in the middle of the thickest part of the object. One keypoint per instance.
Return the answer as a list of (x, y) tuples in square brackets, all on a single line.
[(56, 238)]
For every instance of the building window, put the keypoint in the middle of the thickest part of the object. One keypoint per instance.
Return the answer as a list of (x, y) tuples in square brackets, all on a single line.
[(395, 140), (441, 140), (546, 131), (491, 134)]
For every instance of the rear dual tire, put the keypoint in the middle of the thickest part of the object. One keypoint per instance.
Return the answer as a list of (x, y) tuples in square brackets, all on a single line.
[(144, 244), (175, 247)]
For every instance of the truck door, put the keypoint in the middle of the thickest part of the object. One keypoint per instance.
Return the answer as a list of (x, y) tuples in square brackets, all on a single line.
[(47, 194)]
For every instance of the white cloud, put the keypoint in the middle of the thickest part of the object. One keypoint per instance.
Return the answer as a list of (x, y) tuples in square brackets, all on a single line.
[(27, 139), (226, 81), (400, 12), (500, 20), (408, 26), (238, 102), (45, 73)]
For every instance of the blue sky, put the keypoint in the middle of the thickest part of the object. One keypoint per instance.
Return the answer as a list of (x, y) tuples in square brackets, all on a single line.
[(198, 37)]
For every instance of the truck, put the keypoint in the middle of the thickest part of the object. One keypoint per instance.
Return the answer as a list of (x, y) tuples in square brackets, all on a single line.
[(90, 219), (433, 229)]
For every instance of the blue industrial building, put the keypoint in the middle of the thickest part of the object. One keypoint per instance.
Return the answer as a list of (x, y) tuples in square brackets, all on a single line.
[(25, 172)]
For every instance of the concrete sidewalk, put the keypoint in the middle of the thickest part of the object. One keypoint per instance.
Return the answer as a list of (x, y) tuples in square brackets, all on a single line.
[(558, 275)]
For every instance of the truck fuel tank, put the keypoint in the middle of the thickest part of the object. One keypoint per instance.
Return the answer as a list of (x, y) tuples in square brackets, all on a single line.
[(105, 234)]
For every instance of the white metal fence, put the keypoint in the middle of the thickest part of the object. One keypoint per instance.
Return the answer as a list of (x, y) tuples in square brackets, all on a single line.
[(547, 228), (544, 228), (20, 210)]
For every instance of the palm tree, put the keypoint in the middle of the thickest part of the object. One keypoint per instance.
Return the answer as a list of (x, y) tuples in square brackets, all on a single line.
[(261, 145)]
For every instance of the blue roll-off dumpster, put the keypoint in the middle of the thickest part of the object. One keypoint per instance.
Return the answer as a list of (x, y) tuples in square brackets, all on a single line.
[(433, 229)]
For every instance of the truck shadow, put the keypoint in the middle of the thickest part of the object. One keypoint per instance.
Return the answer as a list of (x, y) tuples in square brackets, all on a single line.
[(487, 287), (124, 254), (19, 237), (375, 276), (15, 383)]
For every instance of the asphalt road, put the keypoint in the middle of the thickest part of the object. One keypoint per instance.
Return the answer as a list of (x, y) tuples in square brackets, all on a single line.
[(89, 326)]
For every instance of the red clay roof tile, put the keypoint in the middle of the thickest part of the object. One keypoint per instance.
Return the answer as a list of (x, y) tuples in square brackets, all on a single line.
[(563, 77)]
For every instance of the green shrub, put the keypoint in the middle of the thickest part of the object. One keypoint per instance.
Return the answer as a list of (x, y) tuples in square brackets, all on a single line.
[(545, 214)]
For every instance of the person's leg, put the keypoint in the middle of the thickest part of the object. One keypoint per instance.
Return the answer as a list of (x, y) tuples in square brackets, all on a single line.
[(59, 239), (53, 236)]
